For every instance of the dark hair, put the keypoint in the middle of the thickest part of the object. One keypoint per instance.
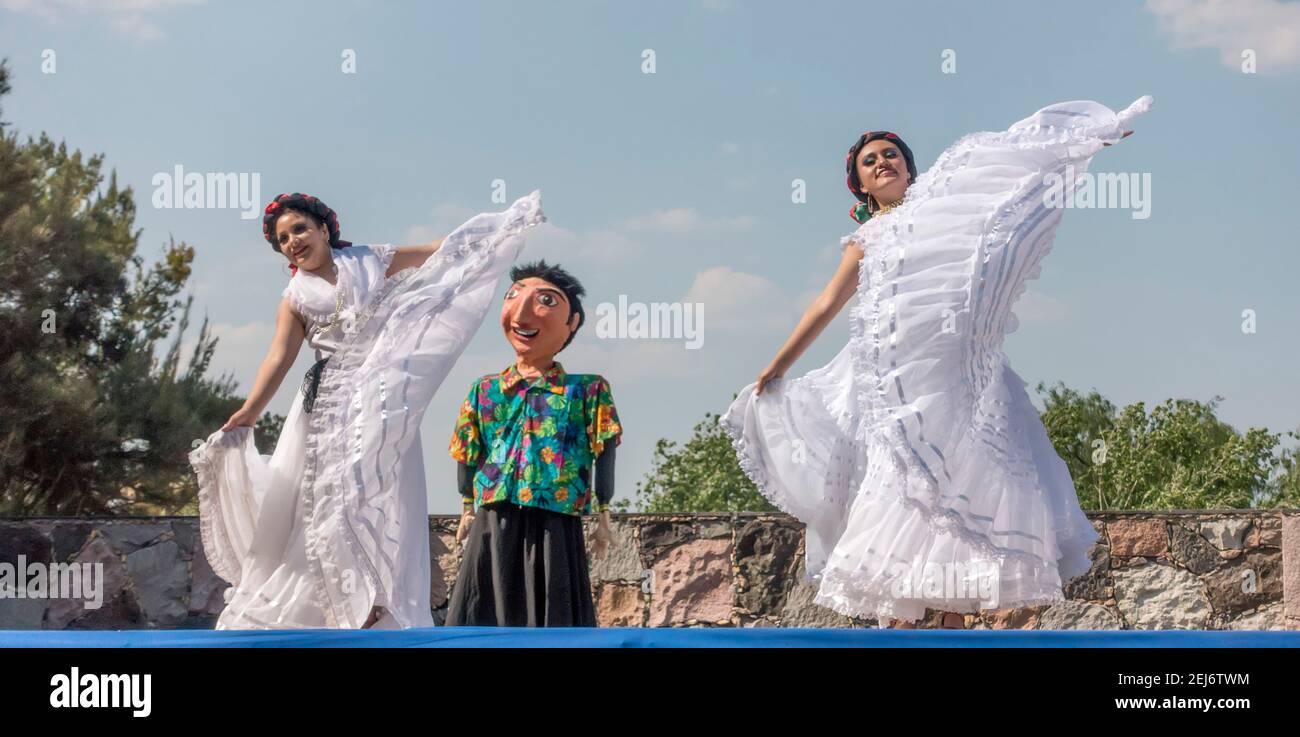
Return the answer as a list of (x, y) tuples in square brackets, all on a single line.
[(303, 204), (851, 166), (563, 280)]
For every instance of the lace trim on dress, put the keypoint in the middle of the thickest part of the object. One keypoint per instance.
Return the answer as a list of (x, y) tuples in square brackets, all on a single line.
[(300, 306), (217, 546)]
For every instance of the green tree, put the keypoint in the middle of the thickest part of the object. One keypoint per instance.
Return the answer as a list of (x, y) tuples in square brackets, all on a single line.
[(703, 475), (1284, 487), (96, 417), (1179, 455)]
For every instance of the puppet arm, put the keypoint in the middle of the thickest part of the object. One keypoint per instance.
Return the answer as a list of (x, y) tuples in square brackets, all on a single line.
[(465, 483), (604, 474)]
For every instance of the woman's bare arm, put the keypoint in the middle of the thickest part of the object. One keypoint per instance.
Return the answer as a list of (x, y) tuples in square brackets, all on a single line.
[(412, 256), (818, 315), (289, 335)]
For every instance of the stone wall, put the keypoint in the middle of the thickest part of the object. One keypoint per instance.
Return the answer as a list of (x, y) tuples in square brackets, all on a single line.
[(1151, 570)]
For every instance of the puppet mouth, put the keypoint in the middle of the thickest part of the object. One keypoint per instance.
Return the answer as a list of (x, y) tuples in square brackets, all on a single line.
[(883, 173), (299, 252), (525, 333)]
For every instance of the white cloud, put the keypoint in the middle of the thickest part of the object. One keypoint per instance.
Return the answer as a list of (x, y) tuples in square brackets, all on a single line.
[(686, 220), (110, 6), (631, 360), (28, 6), (1036, 308), (599, 245), (240, 350), (736, 301), (1270, 27), (125, 17), (445, 217), (137, 26)]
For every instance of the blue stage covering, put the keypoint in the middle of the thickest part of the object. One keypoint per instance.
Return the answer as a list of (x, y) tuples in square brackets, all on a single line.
[(636, 638)]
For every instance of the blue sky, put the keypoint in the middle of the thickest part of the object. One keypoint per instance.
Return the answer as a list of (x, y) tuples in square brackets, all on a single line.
[(675, 186)]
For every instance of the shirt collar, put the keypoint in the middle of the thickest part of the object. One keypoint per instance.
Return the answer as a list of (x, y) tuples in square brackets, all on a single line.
[(553, 379)]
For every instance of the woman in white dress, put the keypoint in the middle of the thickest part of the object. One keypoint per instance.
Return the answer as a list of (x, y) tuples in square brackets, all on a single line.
[(331, 530), (917, 463)]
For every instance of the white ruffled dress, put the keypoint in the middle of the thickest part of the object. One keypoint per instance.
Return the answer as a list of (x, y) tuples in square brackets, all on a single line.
[(335, 521), (921, 470)]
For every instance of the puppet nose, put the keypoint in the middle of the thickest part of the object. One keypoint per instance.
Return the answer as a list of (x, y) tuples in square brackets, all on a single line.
[(528, 307), (521, 310)]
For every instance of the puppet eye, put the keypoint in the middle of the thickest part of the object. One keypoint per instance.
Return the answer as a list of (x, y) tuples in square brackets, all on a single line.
[(548, 299), (514, 292)]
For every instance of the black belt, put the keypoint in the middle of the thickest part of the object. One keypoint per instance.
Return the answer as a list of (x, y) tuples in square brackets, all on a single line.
[(311, 384)]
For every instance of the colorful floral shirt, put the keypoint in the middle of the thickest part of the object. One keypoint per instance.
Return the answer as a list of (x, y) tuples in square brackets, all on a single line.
[(533, 442)]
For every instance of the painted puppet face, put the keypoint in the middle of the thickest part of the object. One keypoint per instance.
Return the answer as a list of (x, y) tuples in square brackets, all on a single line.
[(882, 171), (302, 241), (536, 319)]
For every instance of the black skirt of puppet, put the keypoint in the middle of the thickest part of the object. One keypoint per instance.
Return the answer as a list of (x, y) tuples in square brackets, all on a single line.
[(523, 567)]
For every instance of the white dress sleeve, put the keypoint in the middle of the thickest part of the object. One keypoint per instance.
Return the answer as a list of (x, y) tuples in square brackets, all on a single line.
[(306, 299), (362, 273), (373, 267)]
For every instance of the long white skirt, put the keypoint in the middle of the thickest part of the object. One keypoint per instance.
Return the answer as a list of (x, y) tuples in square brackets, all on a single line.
[(276, 587)]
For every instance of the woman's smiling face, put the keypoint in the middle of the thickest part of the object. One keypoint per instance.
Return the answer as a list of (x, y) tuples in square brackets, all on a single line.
[(302, 241), (882, 171)]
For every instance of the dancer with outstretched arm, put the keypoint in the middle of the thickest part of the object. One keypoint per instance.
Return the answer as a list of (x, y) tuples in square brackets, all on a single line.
[(332, 530), (915, 459)]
